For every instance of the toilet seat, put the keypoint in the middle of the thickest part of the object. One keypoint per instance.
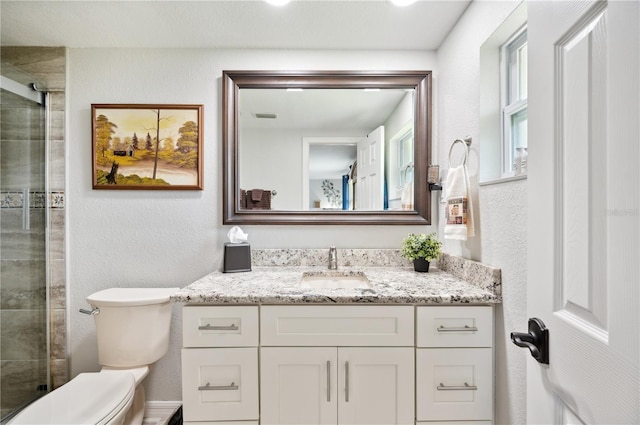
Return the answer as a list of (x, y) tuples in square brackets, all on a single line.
[(89, 398)]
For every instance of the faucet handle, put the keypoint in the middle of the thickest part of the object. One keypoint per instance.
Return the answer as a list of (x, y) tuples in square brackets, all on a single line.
[(333, 258)]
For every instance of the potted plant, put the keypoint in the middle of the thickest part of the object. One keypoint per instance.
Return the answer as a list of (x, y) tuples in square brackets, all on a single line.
[(421, 249)]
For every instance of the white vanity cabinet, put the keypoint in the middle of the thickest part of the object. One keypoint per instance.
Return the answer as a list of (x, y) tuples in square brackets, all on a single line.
[(454, 364), (359, 371), (220, 365), (337, 364)]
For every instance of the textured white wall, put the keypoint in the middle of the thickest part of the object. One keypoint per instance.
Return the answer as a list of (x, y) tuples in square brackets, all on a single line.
[(171, 238), (500, 210)]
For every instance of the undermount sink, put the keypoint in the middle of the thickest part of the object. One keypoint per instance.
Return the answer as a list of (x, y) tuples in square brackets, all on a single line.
[(334, 280)]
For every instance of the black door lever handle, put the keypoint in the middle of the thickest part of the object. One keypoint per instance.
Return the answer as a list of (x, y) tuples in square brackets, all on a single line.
[(537, 340), (527, 341)]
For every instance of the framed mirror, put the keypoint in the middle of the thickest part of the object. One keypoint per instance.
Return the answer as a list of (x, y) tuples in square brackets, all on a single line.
[(326, 147)]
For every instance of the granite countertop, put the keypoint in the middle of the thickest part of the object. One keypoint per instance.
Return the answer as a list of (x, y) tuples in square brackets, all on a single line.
[(389, 285)]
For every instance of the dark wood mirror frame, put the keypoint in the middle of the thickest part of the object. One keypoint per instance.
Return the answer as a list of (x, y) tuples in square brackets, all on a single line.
[(233, 81)]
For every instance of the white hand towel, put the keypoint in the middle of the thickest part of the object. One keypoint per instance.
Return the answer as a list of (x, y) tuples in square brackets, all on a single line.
[(459, 208)]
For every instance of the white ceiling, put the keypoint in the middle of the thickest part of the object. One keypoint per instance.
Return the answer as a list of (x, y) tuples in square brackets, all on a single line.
[(302, 24), (336, 109)]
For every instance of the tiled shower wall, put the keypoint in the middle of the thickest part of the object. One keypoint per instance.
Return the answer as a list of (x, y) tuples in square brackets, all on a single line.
[(47, 65)]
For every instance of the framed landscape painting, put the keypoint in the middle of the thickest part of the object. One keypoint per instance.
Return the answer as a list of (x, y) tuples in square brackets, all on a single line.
[(155, 147)]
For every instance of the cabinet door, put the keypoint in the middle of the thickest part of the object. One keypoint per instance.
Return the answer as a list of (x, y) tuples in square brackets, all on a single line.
[(298, 385), (376, 385)]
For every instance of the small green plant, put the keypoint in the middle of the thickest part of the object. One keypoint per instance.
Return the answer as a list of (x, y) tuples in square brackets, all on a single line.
[(421, 246)]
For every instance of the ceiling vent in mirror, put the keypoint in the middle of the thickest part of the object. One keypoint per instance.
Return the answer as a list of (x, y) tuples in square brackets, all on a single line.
[(266, 115), (277, 2), (402, 3)]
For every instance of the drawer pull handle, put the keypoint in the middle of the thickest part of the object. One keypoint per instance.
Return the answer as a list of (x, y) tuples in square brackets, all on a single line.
[(466, 387), (208, 327), (466, 328), (210, 387)]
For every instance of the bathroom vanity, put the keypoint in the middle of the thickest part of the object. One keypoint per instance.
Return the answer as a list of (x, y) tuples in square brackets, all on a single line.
[(302, 344)]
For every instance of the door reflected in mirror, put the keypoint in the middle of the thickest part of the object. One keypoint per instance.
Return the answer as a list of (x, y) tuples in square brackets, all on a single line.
[(326, 147)]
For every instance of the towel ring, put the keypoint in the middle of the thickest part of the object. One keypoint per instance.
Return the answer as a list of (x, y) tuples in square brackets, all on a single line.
[(466, 142)]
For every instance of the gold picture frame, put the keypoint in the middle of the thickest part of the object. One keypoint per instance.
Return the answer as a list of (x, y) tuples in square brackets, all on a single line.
[(147, 146)]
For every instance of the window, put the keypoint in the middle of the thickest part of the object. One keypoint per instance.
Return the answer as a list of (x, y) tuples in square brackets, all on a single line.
[(514, 101), (405, 157)]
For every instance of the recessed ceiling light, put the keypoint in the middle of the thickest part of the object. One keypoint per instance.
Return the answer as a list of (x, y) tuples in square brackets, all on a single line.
[(402, 2), (277, 2)]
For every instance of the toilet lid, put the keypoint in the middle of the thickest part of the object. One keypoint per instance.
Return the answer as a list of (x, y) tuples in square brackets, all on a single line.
[(121, 297), (89, 398)]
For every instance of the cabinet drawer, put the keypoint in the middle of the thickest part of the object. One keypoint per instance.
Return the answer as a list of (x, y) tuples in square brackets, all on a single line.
[(454, 384), (455, 326), (337, 325), (220, 326), (220, 384)]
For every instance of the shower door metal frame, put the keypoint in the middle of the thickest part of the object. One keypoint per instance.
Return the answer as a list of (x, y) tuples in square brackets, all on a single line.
[(33, 93)]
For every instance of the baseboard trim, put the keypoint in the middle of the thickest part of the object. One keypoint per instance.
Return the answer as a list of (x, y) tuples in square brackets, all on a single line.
[(161, 409)]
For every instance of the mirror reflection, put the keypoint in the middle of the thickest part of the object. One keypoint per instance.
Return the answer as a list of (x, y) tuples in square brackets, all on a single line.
[(326, 149)]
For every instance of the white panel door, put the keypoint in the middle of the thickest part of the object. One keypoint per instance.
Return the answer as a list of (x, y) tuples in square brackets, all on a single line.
[(376, 385), (298, 385), (370, 183), (583, 210)]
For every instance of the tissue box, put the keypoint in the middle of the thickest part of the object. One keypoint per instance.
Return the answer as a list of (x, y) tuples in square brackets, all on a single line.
[(237, 257)]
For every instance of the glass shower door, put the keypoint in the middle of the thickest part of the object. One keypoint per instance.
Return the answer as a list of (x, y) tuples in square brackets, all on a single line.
[(24, 356)]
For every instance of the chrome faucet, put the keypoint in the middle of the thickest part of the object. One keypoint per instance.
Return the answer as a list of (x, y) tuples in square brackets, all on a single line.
[(333, 258)]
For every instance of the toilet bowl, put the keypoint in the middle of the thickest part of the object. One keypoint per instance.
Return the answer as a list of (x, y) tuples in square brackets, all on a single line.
[(132, 328)]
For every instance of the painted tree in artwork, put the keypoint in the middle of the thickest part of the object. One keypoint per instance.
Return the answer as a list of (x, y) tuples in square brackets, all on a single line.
[(134, 141), (188, 141), (186, 155), (148, 145), (168, 146), (104, 130)]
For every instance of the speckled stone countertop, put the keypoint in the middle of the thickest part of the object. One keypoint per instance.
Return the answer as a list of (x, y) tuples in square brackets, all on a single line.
[(276, 279)]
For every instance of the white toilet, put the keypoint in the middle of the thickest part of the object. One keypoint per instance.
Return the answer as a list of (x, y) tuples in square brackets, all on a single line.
[(132, 326)]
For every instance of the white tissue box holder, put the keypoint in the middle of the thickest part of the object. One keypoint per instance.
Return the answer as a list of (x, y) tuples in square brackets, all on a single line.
[(237, 257)]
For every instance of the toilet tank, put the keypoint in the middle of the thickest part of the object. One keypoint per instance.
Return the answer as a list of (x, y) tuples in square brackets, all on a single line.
[(133, 325)]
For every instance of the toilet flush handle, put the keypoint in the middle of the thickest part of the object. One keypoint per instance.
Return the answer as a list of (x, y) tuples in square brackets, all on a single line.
[(93, 312)]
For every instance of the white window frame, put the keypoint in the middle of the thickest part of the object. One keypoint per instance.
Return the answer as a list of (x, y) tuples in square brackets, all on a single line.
[(511, 105), (405, 165)]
